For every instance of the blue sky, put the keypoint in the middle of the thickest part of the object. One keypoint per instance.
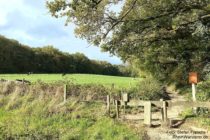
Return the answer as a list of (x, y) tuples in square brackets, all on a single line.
[(29, 22)]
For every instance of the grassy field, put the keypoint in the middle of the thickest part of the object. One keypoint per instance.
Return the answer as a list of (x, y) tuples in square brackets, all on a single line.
[(121, 82), (37, 112)]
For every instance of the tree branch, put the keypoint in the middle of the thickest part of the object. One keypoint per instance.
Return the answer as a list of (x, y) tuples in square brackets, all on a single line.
[(119, 20)]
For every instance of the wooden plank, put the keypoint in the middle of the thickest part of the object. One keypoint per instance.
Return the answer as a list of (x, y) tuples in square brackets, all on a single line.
[(157, 103), (125, 97), (189, 104), (136, 103), (141, 103), (147, 113)]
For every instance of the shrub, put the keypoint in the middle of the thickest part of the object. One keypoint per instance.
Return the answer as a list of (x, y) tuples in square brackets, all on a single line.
[(149, 89), (203, 91)]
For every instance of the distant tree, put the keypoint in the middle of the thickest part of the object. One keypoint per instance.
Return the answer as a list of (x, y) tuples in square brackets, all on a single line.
[(82, 63), (17, 58), (14, 57)]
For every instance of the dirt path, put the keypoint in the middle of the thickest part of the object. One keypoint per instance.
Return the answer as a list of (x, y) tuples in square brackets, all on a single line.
[(183, 132)]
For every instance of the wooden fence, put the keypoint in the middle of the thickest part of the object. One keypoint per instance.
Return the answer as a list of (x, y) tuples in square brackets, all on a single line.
[(147, 105)]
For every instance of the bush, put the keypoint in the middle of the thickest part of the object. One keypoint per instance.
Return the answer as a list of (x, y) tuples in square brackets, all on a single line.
[(149, 89), (203, 91)]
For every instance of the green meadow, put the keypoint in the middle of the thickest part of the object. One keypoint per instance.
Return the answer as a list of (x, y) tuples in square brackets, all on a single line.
[(121, 82)]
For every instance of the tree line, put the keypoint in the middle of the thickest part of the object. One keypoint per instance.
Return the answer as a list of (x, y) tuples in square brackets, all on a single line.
[(18, 58)]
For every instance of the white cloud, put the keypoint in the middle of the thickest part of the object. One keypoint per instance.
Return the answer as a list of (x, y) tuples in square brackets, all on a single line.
[(3, 20), (6, 6), (10, 6)]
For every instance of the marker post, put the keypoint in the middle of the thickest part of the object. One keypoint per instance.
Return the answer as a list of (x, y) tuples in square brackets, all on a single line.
[(193, 79)]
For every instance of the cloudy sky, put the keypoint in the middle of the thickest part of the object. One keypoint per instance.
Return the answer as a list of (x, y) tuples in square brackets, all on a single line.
[(29, 22)]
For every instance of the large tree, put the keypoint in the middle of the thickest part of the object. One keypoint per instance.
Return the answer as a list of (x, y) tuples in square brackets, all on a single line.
[(168, 38)]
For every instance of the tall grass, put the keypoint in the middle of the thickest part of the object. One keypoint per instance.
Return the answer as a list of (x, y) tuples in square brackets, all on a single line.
[(37, 112)]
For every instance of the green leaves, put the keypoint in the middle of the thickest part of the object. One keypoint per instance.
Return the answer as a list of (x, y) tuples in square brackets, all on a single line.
[(162, 34)]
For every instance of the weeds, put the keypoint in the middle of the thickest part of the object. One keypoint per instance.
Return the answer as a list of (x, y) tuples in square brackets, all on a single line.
[(39, 114)]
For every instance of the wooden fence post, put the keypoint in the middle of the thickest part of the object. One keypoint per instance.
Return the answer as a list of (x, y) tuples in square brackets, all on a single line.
[(147, 113), (165, 115), (117, 108), (64, 93), (165, 111), (124, 99), (108, 104), (162, 114)]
